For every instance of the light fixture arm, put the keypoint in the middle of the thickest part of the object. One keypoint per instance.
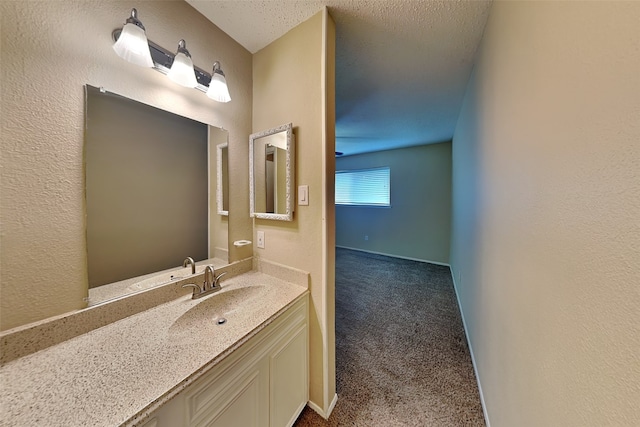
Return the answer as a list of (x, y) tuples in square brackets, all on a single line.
[(216, 68), (182, 48), (163, 58), (133, 19)]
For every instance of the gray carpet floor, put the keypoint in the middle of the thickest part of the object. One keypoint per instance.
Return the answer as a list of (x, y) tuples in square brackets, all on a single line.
[(401, 352)]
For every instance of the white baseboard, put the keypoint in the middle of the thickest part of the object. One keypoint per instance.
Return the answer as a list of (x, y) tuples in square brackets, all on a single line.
[(321, 412), (332, 405), (473, 359), (395, 256)]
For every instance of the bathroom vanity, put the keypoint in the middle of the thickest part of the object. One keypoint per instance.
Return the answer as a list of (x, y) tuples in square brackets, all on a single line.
[(236, 357), (263, 383)]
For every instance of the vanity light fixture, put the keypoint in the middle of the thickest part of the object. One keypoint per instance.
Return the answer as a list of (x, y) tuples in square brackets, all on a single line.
[(178, 67), (182, 71), (218, 90), (132, 44)]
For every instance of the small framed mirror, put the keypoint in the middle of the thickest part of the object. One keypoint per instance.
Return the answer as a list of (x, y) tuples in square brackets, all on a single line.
[(222, 187), (271, 173)]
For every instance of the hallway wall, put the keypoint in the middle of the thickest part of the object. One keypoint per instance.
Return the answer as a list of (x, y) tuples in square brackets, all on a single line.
[(546, 205), (293, 81)]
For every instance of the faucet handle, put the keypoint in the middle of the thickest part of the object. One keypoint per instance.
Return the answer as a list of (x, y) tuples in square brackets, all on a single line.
[(197, 290), (216, 281)]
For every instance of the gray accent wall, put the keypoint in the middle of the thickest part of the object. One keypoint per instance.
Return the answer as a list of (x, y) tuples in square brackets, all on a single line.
[(417, 224)]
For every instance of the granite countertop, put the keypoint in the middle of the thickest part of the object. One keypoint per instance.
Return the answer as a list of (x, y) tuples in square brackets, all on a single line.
[(117, 374)]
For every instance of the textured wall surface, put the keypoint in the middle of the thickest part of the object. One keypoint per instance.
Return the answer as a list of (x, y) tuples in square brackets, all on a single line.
[(417, 225), (49, 51), (546, 208), (288, 87)]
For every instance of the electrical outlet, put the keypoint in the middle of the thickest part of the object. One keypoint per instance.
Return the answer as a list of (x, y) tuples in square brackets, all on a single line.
[(366, 237), (260, 242)]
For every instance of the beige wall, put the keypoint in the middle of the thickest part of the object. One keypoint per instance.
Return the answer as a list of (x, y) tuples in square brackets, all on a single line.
[(49, 51), (290, 85), (417, 225), (546, 208)]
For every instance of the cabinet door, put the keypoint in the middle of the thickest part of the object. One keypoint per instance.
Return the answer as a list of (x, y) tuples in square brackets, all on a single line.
[(239, 398), (153, 422), (171, 414), (288, 378)]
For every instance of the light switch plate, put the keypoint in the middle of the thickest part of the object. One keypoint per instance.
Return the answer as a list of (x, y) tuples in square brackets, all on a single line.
[(260, 240), (303, 195)]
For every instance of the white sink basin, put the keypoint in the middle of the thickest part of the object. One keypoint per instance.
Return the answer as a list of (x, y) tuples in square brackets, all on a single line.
[(226, 304)]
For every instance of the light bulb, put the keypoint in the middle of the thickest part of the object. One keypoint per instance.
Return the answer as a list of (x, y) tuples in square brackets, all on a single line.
[(218, 89), (132, 45), (181, 70)]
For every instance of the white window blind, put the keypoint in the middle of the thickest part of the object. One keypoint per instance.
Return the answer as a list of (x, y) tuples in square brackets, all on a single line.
[(365, 187)]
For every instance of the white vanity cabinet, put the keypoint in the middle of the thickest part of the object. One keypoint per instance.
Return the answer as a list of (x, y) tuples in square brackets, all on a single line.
[(262, 383)]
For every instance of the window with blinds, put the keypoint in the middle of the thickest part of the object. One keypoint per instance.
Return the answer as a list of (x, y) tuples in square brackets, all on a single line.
[(365, 187)]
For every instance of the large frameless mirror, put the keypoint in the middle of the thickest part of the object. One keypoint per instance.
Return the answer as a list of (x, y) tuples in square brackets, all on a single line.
[(271, 173), (150, 182)]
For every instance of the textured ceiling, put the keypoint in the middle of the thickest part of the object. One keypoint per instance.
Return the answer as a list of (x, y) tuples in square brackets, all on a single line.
[(401, 65)]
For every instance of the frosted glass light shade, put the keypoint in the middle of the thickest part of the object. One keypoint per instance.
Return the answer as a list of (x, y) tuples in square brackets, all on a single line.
[(182, 71), (218, 90), (132, 46)]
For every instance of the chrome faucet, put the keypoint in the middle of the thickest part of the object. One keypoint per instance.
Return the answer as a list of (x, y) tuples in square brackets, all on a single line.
[(210, 285), (188, 260), (209, 278)]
